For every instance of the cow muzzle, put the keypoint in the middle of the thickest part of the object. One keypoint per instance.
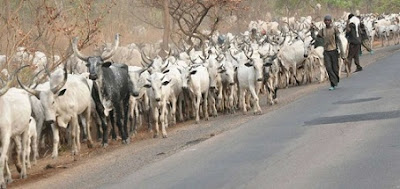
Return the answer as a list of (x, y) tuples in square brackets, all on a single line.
[(49, 122), (158, 99), (231, 84), (259, 79), (93, 76), (135, 94), (305, 55)]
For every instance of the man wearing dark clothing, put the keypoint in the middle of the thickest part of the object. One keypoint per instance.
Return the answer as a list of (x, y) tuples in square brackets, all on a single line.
[(353, 34), (331, 42)]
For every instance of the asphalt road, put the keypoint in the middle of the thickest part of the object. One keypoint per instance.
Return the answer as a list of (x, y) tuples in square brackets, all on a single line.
[(346, 138)]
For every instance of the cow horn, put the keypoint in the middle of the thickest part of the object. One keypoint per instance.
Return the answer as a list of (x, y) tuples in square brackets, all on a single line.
[(233, 56), (32, 91), (251, 54), (193, 62), (76, 51), (145, 58), (113, 50), (60, 85)]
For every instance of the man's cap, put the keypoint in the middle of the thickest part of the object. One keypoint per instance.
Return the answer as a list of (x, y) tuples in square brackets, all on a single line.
[(328, 17)]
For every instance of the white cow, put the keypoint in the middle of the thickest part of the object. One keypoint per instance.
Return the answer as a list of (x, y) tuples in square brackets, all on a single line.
[(250, 77), (196, 80), (159, 91), (66, 97), (15, 111)]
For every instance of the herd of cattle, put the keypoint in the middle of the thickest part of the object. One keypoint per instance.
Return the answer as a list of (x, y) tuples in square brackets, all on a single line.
[(227, 73)]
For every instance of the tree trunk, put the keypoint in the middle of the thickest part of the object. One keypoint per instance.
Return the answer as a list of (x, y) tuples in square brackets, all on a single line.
[(167, 29)]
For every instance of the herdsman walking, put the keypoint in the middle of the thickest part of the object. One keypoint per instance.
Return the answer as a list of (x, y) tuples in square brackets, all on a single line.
[(330, 35), (353, 35)]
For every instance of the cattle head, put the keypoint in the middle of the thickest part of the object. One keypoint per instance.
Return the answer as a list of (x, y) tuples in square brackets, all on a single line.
[(227, 72), (95, 63), (186, 75), (139, 78), (214, 73), (307, 46), (158, 85), (49, 97)]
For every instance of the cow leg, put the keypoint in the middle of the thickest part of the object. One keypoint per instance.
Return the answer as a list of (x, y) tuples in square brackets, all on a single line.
[(5, 141), (180, 104), (231, 100), (173, 109), (155, 118), (28, 154), (256, 104), (34, 149), (125, 138), (205, 105), (197, 107), (82, 123), (18, 148), (56, 140), (74, 126), (25, 138), (112, 120), (163, 119), (242, 103), (132, 117), (7, 175), (213, 103), (86, 116)]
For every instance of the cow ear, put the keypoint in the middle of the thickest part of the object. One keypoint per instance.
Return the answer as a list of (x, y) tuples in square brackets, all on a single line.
[(166, 71), (62, 92), (106, 64), (166, 82), (236, 69), (193, 72), (248, 64)]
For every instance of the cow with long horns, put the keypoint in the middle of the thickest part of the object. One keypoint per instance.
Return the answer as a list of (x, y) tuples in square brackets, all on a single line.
[(63, 99), (114, 88)]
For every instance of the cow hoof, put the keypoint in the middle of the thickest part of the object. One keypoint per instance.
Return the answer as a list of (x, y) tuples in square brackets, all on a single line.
[(165, 136), (8, 180), (127, 141), (3, 185), (198, 121), (54, 156), (23, 176), (104, 145), (215, 115), (90, 144), (18, 168), (155, 135)]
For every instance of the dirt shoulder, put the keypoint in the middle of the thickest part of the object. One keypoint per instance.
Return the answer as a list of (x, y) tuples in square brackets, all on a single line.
[(98, 165)]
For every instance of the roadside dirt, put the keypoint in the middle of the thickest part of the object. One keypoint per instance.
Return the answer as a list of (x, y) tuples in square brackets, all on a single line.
[(101, 165)]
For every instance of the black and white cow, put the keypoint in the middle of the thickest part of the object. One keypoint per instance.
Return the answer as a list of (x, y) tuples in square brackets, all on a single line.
[(114, 88)]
